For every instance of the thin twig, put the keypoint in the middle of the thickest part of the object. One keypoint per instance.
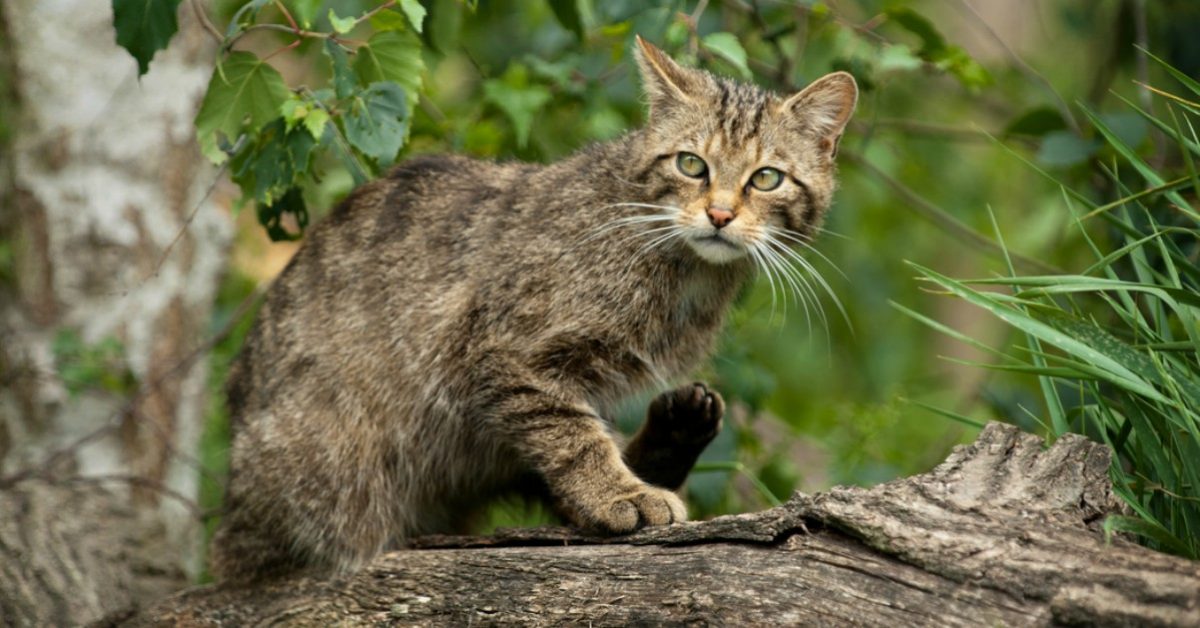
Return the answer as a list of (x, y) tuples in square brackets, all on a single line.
[(140, 482), (1026, 69), (187, 222)]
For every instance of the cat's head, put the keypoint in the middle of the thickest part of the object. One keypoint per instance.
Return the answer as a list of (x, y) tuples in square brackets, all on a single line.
[(737, 164)]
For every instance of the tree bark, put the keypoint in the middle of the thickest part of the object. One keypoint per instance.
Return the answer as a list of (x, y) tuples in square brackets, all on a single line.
[(1004, 532), (110, 241)]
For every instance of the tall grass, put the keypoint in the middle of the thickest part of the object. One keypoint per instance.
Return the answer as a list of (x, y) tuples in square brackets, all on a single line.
[(1115, 347)]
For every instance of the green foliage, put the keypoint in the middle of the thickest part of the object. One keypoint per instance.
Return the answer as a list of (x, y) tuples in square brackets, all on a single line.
[(244, 94), (144, 27), (96, 366), (1115, 347)]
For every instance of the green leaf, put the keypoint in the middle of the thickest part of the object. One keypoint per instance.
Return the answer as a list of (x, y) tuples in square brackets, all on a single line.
[(343, 78), (567, 14), (244, 94), (445, 25), (1103, 365), (727, 47), (315, 122), (377, 122), (305, 11), (341, 25), (1144, 528), (293, 111), (270, 215), (898, 58), (1062, 149), (415, 13), (144, 27), (517, 99), (273, 163), (1036, 122), (395, 57), (917, 24)]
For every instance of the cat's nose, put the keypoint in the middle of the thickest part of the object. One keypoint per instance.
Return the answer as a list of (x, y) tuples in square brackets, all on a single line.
[(719, 216)]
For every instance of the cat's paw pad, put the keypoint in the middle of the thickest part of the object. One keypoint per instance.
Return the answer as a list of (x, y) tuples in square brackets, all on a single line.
[(689, 414), (648, 505)]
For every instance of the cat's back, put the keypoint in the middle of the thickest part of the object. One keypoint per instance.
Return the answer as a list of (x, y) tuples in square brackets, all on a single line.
[(377, 262)]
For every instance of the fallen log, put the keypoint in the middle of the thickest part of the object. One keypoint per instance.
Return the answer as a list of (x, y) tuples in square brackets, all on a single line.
[(1004, 532)]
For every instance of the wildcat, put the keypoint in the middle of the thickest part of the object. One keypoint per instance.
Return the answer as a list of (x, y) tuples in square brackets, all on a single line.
[(459, 328)]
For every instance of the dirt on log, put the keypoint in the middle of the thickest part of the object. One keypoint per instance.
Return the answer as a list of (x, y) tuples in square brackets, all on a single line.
[(1004, 532)]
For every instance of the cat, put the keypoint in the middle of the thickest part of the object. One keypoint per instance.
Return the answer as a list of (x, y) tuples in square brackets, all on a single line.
[(460, 328)]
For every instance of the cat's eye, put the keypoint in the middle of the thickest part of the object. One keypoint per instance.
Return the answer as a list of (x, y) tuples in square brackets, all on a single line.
[(766, 179), (691, 165)]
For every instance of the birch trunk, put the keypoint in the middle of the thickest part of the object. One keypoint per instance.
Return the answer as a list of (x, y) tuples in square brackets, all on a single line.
[(111, 238)]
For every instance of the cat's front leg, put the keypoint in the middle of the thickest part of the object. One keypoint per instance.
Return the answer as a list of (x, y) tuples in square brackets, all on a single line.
[(679, 424), (566, 443)]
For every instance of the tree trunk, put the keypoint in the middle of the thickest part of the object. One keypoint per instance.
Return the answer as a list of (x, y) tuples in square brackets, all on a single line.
[(110, 253), (1004, 532)]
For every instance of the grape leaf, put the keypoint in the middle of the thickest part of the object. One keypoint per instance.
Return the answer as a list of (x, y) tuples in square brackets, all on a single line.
[(414, 11), (144, 27), (243, 89), (377, 122)]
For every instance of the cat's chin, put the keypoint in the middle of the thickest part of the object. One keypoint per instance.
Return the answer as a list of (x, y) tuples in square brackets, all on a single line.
[(716, 249)]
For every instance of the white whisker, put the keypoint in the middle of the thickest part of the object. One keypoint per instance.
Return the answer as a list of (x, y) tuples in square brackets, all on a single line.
[(791, 236)]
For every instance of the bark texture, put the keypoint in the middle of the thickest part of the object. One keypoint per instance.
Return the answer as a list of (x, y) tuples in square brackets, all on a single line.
[(113, 244), (1004, 532)]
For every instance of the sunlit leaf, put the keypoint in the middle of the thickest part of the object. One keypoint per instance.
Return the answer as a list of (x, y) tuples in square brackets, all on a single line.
[(341, 25), (414, 12)]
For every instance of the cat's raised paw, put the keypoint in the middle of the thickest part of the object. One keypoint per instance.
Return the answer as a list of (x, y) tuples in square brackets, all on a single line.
[(689, 414)]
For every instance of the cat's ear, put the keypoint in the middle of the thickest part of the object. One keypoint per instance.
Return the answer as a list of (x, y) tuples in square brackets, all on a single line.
[(666, 82), (824, 108)]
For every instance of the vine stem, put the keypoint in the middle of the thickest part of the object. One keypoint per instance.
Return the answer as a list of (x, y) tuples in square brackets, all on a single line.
[(205, 22)]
